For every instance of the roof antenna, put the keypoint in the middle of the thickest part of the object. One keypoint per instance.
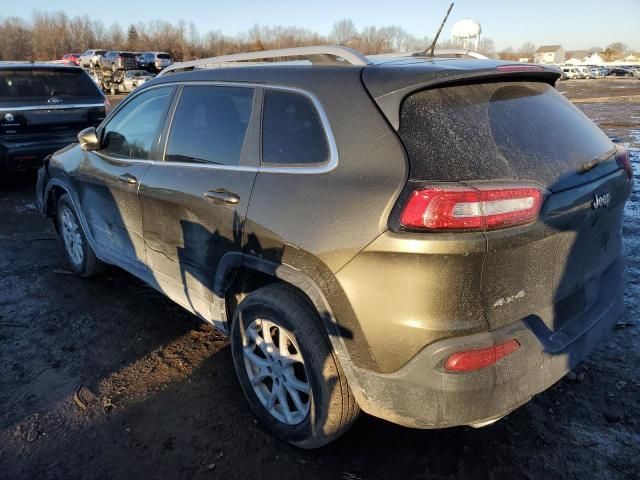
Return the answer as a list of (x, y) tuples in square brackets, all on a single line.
[(432, 47)]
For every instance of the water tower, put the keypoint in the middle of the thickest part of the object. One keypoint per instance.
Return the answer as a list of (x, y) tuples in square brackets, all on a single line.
[(466, 33)]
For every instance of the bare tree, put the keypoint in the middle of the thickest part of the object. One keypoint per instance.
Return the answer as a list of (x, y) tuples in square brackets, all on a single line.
[(507, 54), (49, 35), (343, 32), (615, 50), (17, 39), (132, 38), (527, 50), (115, 36), (487, 47)]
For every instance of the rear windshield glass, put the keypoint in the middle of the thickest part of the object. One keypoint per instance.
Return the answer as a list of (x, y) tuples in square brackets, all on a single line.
[(516, 130), (164, 55), (34, 83)]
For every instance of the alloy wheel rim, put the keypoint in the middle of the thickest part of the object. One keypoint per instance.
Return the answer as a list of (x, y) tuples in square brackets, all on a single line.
[(72, 237), (276, 371)]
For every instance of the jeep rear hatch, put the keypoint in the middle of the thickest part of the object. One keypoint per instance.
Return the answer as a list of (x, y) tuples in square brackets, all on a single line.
[(481, 152)]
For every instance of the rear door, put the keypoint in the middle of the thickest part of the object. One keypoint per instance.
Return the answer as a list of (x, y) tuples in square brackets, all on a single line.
[(110, 177), (194, 203)]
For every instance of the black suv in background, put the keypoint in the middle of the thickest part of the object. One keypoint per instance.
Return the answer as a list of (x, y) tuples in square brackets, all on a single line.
[(154, 61), (116, 60), (433, 241), (42, 109)]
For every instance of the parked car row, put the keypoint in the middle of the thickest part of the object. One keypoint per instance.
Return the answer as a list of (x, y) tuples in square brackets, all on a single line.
[(571, 72), (115, 60)]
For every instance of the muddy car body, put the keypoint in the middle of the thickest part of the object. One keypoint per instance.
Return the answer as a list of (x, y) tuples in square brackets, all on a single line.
[(433, 242)]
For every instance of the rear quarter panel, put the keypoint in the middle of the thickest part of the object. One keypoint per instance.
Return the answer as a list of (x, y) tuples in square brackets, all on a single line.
[(317, 223)]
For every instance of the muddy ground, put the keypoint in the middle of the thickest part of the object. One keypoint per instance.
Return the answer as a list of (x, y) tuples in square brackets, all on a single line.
[(160, 398)]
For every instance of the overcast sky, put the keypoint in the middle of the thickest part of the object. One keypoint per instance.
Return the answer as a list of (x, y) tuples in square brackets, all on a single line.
[(573, 23)]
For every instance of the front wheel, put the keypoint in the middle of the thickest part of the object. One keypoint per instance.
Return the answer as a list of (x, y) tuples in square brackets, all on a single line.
[(79, 253), (287, 369)]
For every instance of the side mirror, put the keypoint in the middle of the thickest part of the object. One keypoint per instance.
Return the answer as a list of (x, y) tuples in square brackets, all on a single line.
[(89, 140)]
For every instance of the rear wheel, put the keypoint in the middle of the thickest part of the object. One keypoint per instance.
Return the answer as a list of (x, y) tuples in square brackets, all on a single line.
[(287, 369), (78, 251)]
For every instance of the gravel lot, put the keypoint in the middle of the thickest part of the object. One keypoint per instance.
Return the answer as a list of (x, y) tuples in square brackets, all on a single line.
[(156, 395)]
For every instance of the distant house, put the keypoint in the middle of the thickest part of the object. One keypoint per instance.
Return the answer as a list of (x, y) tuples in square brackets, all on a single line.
[(524, 59), (549, 54)]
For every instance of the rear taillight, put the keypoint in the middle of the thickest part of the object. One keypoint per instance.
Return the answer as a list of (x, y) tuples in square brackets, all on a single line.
[(623, 160), (467, 208), (471, 360)]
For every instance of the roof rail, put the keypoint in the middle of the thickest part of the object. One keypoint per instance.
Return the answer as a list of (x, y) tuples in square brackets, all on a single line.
[(322, 55)]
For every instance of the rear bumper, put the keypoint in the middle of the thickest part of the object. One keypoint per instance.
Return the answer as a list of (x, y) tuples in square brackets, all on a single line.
[(423, 395), (28, 154)]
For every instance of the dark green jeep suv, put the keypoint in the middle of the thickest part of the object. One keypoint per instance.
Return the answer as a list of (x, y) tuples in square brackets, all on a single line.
[(432, 241)]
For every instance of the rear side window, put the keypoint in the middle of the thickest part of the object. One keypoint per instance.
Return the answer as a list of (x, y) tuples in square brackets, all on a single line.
[(45, 83), (292, 132), (516, 130), (210, 124), (166, 56)]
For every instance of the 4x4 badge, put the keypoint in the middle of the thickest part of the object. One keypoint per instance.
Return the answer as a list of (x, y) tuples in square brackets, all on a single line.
[(601, 201)]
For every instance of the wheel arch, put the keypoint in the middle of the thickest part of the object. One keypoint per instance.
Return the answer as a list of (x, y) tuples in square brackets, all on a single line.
[(53, 191), (235, 267)]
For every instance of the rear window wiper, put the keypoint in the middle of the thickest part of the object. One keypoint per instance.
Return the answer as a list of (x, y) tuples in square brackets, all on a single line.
[(590, 165)]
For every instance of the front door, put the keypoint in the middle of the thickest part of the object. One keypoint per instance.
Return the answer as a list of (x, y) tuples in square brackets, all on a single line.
[(111, 176), (195, 201)]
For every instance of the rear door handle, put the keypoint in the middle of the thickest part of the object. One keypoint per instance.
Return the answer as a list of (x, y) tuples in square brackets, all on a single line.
[(222, 195), (128, 178)]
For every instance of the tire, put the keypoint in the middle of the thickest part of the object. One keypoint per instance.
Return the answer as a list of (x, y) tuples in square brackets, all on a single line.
[(79, 254), (330, 408)]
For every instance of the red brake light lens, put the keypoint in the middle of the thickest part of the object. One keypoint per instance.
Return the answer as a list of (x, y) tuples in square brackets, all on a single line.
[(466, 208), (623, 160), (471, 360)]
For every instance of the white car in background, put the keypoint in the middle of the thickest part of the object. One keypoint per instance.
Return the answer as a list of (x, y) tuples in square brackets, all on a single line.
[(90, 58), (585, 72), (570, 73)]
